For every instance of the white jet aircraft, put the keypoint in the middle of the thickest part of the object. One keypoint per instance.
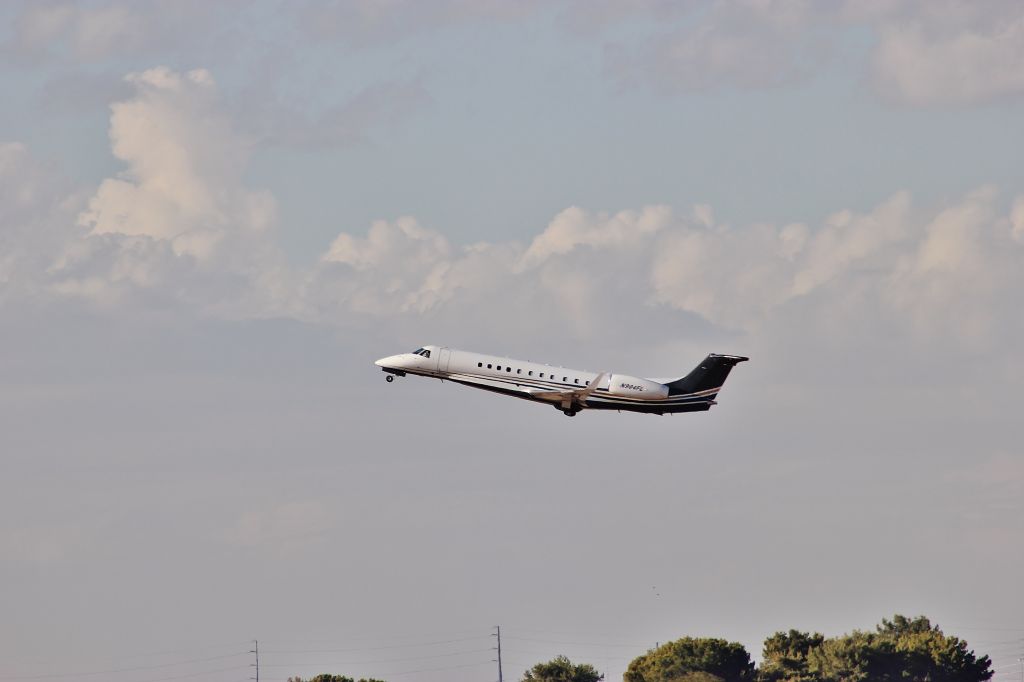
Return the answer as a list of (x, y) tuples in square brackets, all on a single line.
[(569, 390)]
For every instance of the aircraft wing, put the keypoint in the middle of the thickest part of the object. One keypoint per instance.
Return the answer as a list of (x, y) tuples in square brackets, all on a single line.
[(577, 395), (553, 396)]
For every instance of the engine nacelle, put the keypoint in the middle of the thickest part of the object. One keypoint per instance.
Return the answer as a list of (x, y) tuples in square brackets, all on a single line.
[(635, 387)]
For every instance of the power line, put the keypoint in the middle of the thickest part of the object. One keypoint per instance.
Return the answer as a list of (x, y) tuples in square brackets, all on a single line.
[(424, 670), (120, 670), (158, 654), (409, 635), (984, 629), (1002, 649), (155, 679), (575, 633), (374, 648), (379, 660), (430, 670), (588, 656), (183, 677), (552, 641)]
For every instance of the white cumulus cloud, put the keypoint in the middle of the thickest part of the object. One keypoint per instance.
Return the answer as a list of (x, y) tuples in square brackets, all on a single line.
[(180, 225), (946, 270), (183, 182)]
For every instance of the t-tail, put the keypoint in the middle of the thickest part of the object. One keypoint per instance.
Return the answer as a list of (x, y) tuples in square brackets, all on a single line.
[(706, 380)]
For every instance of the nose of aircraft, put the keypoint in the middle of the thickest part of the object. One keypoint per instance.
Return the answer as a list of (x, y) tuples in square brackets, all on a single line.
[(389, 361)]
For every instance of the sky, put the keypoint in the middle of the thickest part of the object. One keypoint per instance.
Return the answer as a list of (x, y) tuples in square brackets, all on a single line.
[(215, 216)]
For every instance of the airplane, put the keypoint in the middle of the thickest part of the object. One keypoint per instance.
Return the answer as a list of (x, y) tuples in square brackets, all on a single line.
[(568, 390)]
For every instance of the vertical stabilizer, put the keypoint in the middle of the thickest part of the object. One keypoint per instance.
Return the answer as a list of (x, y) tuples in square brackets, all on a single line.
[(707, 378)]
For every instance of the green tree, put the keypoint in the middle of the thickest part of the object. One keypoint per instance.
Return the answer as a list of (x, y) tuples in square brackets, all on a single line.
[(928, 655), (784, 657), (561, 669), (856, 657), (899, 650), (693, 660), (331, 678)]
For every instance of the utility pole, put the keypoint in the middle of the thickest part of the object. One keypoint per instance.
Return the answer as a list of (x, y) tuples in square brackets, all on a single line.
[(497, 634), (256, 650)]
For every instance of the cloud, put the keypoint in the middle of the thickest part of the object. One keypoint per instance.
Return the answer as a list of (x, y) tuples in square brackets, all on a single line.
[(179, 226), (1017, 219), (944, 271), (390, 267), (90, 32), (369, 22), (951, 280), (43, 545), (37, 215), (586, 17), (403, 267), (575, 227), (381, 105), (950, 53), (920, 53), (102, 30), (184, 168), (405, 238), (179, 221), (283, 527), (925, 53), (746, 45)]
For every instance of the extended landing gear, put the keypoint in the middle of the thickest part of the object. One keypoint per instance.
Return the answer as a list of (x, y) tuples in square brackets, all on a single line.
[(568, 411), (389, 378)]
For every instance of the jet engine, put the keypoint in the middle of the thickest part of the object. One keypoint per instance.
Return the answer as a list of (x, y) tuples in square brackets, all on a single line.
[(635, 387)]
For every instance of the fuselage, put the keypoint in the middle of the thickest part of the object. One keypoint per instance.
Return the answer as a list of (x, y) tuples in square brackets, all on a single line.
[(570, 390)]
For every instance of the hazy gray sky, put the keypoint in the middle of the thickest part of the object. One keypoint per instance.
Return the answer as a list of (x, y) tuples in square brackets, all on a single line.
[(213, 220)]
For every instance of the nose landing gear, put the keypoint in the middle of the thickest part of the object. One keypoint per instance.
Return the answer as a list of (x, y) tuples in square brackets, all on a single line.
[(391, 373)]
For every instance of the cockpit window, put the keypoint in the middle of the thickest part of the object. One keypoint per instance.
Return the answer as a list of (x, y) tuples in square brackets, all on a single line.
[(422, 351), (418, 351), (425, 353)]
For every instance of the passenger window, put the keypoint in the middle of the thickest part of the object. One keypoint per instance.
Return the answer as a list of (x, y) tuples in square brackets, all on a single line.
[(530, 372), (508, 369), (499, 368), (489, 366), (565, 380), (576, 380), (479, 364), (519, 371), (542, 375)]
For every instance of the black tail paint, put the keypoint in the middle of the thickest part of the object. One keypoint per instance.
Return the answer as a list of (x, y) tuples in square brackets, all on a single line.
[(709, 374)]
